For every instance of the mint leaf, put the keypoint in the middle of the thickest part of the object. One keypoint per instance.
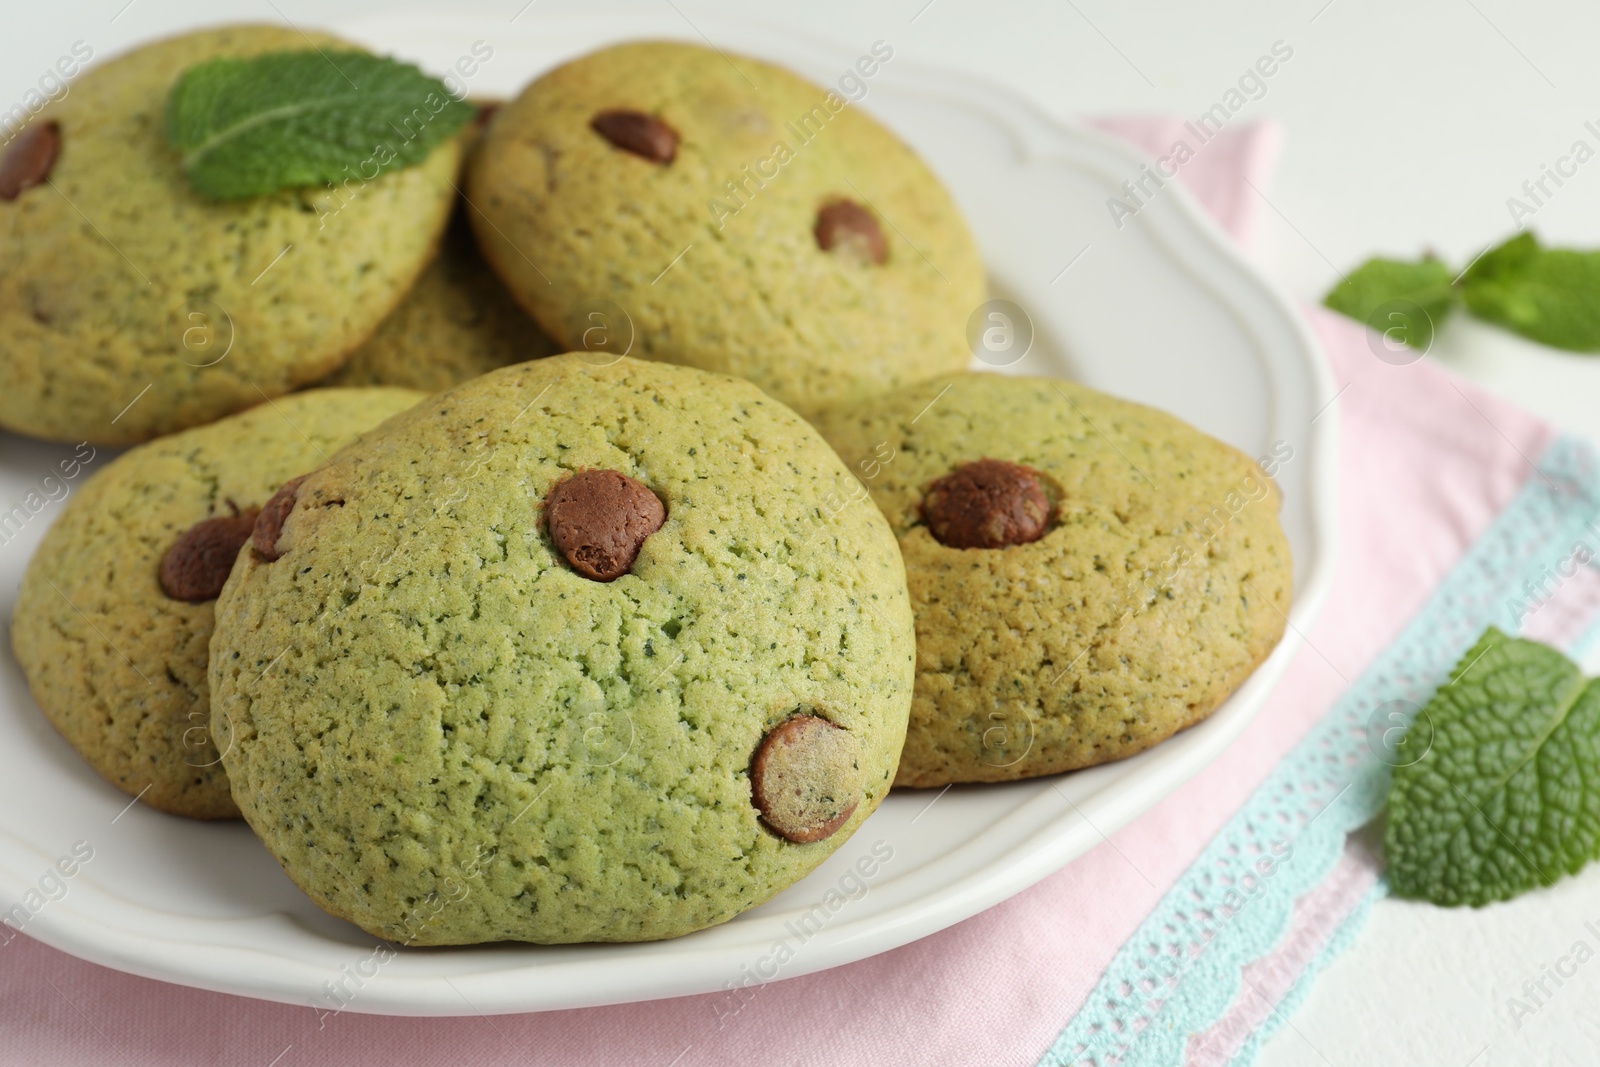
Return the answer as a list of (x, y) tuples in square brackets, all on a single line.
[(285, 119), (1388, 294), (1547, 295), (1508, 797)]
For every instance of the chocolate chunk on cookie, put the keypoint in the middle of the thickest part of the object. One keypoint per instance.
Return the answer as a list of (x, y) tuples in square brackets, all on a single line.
[(196, 567), (269, 523), (27, 160), (987, 504), (599, 519), (806, 778), (846, 227), (633, 131)]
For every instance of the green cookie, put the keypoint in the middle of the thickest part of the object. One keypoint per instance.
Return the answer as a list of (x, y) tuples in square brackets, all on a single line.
[(117, 664), (714, 258), (132, 305), (1160, 581), (447, 734)]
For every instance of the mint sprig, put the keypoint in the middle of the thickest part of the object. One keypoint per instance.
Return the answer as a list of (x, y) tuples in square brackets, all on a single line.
[(247, 127), (1378, 292), (1549, 295), (1508, 797)]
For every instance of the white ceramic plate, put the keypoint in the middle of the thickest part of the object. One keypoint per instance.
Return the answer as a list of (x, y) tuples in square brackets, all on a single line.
[(1162, 311)]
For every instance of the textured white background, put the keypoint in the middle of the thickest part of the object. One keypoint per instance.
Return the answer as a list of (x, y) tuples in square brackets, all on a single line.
[(1408, 126)]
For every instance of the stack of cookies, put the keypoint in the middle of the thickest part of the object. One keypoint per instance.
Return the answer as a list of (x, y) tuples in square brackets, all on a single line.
[(487, 642)]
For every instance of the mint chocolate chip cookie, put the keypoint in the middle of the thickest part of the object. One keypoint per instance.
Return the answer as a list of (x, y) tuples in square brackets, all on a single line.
[(132, 305), (115, 611), (566, 653), (744, 220), (1089, 576)]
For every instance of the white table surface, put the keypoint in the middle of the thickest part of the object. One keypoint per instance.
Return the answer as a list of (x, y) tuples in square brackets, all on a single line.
[(1408, 126)]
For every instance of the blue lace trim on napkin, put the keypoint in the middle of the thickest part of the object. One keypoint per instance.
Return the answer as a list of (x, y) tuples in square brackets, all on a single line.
[(1182, 969), (1343, 937)]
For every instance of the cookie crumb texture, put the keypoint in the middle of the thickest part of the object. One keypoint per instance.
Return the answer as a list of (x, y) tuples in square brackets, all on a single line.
[(456, 323), (714, 253), (448, 736), (115, 662), (1150, 598), (122, 277)]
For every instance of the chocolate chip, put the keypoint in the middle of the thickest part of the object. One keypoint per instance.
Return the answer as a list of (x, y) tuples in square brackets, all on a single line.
[(805, 778), (196, 566), (634, 131), (269, 524), (848, 228), (28, 160), (599, 518), (987, 504)]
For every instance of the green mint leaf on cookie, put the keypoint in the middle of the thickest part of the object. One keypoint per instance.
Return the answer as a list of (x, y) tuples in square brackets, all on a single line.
[(1549, 295), (247, 127), (1508, 796), (1405, 301)]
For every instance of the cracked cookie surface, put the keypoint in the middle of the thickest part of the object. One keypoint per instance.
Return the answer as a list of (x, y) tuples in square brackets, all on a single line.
[(116, 662), (1162, 580), (448, 734)]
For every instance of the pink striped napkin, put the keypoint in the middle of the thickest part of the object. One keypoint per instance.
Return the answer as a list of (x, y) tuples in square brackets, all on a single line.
[(1426, 464)]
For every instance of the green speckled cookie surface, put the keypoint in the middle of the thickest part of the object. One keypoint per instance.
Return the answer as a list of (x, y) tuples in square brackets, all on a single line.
[(131, 305), (1163, 580), (118, 666), (448, 735), (710, 276), (456, 323)]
